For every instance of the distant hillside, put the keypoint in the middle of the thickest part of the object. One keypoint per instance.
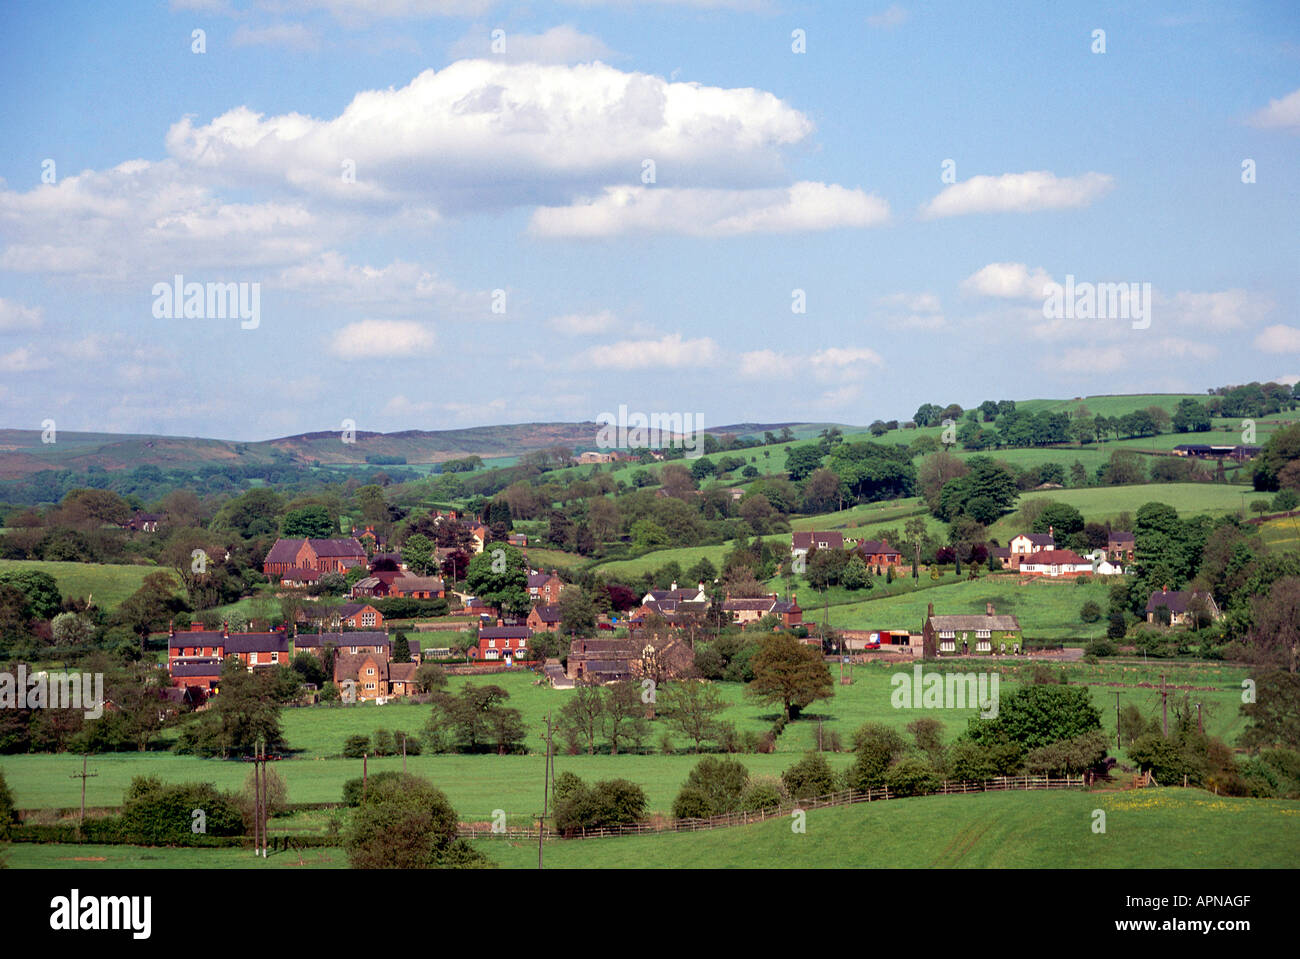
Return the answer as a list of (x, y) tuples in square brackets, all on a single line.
[(23, 453)]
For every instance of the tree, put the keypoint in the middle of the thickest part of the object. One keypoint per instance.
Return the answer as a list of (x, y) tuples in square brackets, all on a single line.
[(247, 712), (801, 461), (810, 777), (476, 721), (1275, 714), (419, 554), (791, 673), (577, 612), (855, 574), (1275, 635), (312, 522), (1038, 715), (580, 718), (40, 589), (150, 606), (875, 746), (430, 677), (690, 707), (712, 788), (612, 802), (405, 823), (623, 715), (499, 577), (401, 649)]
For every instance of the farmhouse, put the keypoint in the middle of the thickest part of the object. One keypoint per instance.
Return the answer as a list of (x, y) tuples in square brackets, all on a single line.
[(675, 595), (746, 610), (500, 642), (543, 588), (602, 660), (1120, 546), (350, 615), (1026, 543), (962, 635), (323, 555), (1182, 605), (878, 553), (802, 543), (416, 587), (544, 618), (1054, 563)]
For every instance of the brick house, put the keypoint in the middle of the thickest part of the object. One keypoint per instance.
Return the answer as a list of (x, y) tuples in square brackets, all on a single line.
[(416, 587), (1120, 547), (544, 588), (349, 616), (1026, 543), (802, 543), (1179, 604), (877, 553), (498, 642), (602, 660), (1055, 563), (544, 618), (323, 555), (251, 649), (962, 635)]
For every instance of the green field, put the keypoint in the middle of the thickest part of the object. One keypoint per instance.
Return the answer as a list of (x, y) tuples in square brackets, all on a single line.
[(1046, 609), (1144, 829), (479, 784), (105, 583)]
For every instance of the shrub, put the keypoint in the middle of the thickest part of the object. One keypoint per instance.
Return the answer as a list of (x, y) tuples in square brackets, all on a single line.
[(356, 747), (1099, 647), (8, 816), (763, 792), (612, 802), (405, 823), (352, 789), (164, 815), (911, 776), (810, 777), (715, 786), (1090, 612)]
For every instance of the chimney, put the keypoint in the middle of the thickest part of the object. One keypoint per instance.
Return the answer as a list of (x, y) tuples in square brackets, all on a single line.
[(171, 628), (673, 586), (1051, 532), (929, 609), (988, 607), (225, 629), (701, 586)]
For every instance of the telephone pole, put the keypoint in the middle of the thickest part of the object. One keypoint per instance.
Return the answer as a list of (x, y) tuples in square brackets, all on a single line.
[(83, 776), (546, 783), (1164, 706), (1117, 745)]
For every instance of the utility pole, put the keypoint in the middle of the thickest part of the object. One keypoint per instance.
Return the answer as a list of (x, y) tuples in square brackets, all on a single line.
[(1199, 728), (1164, 706), (403, 754), (546, 783), (83, 776), (1117, 745), (363, 777)]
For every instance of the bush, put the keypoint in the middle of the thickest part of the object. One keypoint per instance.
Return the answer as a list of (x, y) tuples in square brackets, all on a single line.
[(405, 823), (1090, 612), (352, 789), (8, 815), (763, 792), (1099, 647), (876, 747), (713, 786), (810, 777), (356, 747), (911, 776), (164, 815), (612, 802)]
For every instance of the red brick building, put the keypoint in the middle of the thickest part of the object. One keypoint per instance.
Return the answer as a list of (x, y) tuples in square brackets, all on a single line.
[(322, 555)]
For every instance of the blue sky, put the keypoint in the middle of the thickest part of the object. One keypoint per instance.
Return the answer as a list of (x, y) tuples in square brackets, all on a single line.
[(521, 169)]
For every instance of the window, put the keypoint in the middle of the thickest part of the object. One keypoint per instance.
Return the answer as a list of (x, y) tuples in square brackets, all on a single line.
[(948, 646), (983, 646), (354, 650), (492, 644), (275, 657), (947, 634), (983, 634)]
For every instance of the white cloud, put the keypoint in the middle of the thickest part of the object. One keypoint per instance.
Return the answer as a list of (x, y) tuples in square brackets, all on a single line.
[(583, 324), (23, 360), (1018, 193), (920, 311), (1278, 339), (381, 338), (1284, 112), (399, 288), (805, 206), (887, 19), (294, 36), (667, 352), (1008, 281), (1220, 310), (15, 316), (1093, 360), (399, 407), (833, 363), (562, 44), (486, 133)]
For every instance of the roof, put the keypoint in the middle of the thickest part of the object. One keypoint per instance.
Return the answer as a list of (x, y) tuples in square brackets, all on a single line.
[(299, 573), (876, 546), (284, 551), (673, 595), (417, 583), (762, 604), (504, 632), (1177, 600), (808, 539), (348, 665), (212, 668), (1117, 536), (1038, 539), (256, 643), (338, 547), (1048, 557), (976, 621), (204, 638), (548, 612), (538, 579), (402, 672)]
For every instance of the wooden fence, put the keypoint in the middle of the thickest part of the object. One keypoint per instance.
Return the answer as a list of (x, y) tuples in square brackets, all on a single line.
[(843, 797)]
